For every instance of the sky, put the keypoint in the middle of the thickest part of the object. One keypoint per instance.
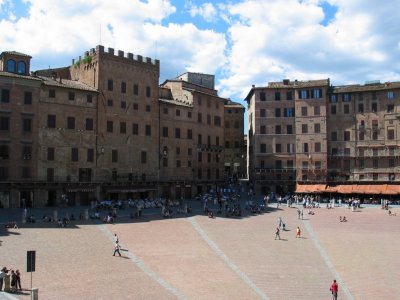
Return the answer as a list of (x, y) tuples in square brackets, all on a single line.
[(242, 42)]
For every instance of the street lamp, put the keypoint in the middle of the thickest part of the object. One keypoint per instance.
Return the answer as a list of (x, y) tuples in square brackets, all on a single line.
[(162, 154)]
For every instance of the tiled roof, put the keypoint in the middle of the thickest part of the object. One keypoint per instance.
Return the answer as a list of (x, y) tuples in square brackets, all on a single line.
[(298, 83), (15, 53), (231, 103), (176, 102), (8, 74), (366, 87), (66, 83)]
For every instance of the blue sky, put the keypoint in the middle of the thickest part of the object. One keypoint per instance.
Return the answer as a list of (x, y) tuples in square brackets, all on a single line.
[(241, 42)]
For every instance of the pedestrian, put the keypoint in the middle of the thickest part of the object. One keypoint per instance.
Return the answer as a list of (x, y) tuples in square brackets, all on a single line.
[(302, 214), (280, 222), (3, 273), (298, 213), (334, 290), (13, 282), (116, 238), (18, 280), (298, 232), (116, 249), (277, 235)]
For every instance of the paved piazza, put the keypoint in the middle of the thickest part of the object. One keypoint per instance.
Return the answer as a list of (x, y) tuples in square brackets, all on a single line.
[(196, 257)]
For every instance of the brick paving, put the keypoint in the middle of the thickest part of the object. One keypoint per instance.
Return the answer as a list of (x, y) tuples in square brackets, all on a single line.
[(77, 262)]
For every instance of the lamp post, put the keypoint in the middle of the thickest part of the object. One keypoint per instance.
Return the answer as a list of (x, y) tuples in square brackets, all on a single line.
[(162, 154)]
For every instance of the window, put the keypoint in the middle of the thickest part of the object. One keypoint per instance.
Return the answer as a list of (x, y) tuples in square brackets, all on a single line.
[(289, 129), (333, 98), (90, 155), (123, 104), (236, 124), (227, 144), (199, 117), (262, 113), (305, 147), (289, 95), (304, 94), (333, 109), (227, 124), (26, 172), (136, 89), (200, 157), (28, 98), (262, 96), (148, 108), (199, 139), (143, 157), (375, 152), (375, 135), (277, 96), (390, 134), (346, 135), (288, 112), (21, 67), (263, 148), (361, 163), (110, 84), (278, 164), (148, 130), (390, 95), (317, 147), (110, 126), (277, 112), (318, 165), (217, 140), (89, 98), (346, 109), (317, 111), (391, 163), (89, 124), (304, 128), (4, 152), (305, 165), (74, 154), (5, 95), (26, 152), (304, 111), (123, 87), (375, 163), (135, 129), (135, 106), (51, 121), (4, 123), (208, 157), (360, 107), (374, 107), (165, 162), (346, 97), (177, 112), (390, 108), (317, 93), (178, 163), (52, 93), (177, 133), (289, 164), (110, 102), (278, 129), (122, 127), (361, 135), (334, 136), (217, 121), (50, 154), (189, 134), (148, 91), (317, 128), (27, 125), (278, 148), (50, 174), (208, 119), (11, 66), (178, 151), (70, 122), (263, 129), (114, 156), (71, 96), (189, 114), (165, 132)]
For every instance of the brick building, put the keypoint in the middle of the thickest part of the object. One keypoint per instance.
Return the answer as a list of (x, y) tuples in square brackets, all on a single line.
[(309, 132), (103, 128)]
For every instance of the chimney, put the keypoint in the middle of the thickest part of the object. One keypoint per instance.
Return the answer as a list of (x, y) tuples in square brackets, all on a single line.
[(286, 81)]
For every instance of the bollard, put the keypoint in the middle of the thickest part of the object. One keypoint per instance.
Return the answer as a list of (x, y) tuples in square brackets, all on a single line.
[(55, 215), (35, 294), (86, 214)]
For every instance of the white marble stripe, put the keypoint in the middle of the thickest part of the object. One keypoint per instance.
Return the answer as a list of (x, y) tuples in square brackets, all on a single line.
[(226, 259), (7, 296), (138, 262), (342, 287)]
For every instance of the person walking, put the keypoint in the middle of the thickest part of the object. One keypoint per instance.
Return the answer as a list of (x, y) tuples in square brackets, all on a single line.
[(298, 232), (3, 273), (116, 249), (334, 289), (18, 280), (116, 238), (277, 234)]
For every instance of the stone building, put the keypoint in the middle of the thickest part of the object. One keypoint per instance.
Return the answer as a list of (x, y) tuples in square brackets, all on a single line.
[(309, 132), (103, 128)]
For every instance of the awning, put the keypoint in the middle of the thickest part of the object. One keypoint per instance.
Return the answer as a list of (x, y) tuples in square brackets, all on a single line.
[(113, 190), (310, 188), (80, 190), (376, 189)]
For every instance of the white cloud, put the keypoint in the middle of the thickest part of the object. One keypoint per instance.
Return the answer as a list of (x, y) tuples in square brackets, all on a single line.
[(272, 40), (206, 11)]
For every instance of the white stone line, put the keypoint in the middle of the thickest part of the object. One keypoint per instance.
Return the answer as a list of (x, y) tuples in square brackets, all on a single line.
[(327, 260), (138, 262), (7, 296), (225, 258)]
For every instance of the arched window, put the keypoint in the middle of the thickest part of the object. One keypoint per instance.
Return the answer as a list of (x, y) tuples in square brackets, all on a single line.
[(11, 65), (21, 67)]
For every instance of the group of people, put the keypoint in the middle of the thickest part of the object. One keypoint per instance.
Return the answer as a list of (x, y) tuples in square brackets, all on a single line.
[(11, 280), (342, 219)]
